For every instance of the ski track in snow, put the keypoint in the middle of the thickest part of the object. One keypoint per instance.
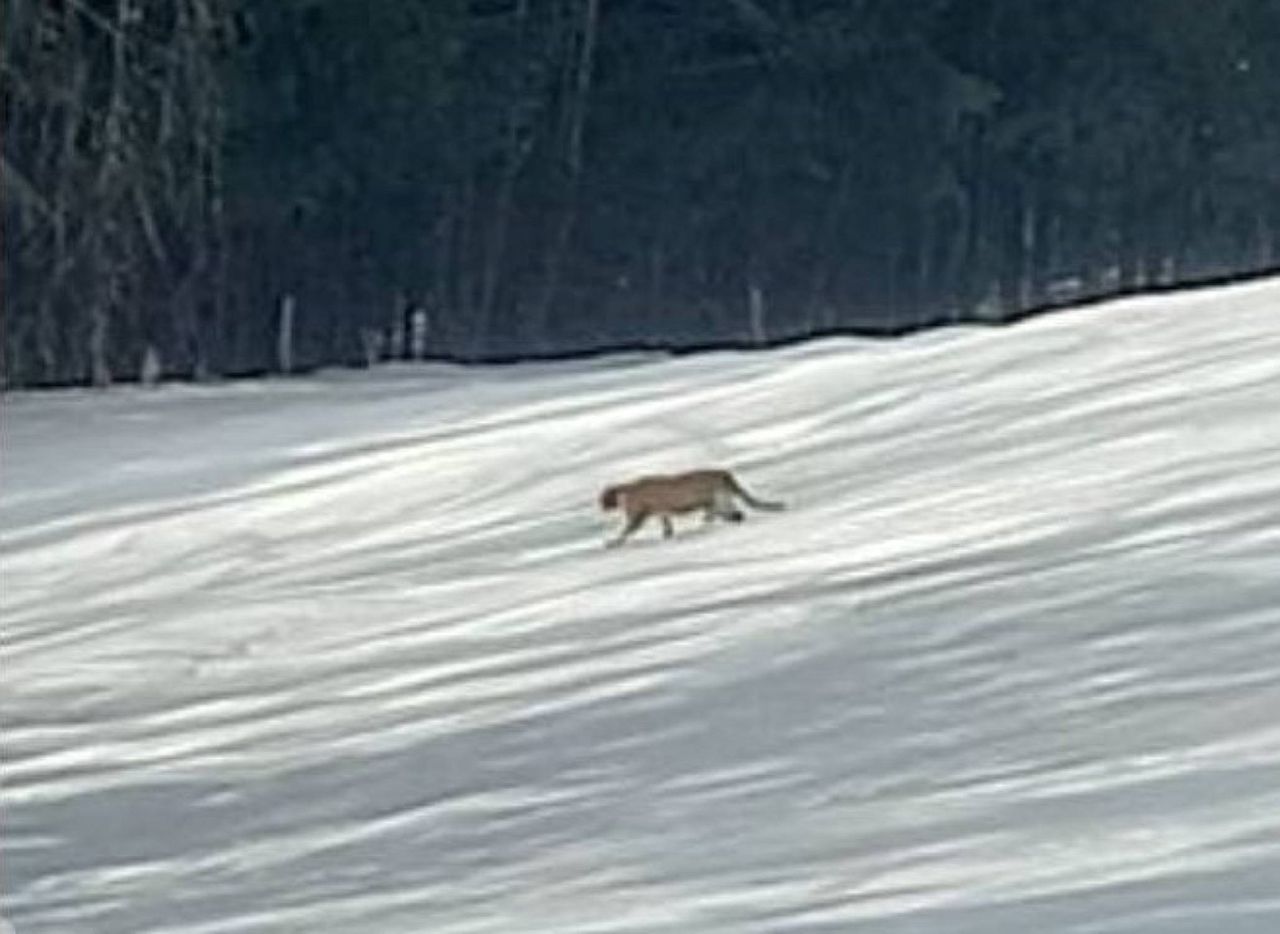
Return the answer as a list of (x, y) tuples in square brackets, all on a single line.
[(344, 653)]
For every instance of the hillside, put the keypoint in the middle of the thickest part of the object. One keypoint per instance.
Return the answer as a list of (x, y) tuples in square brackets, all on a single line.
[(345, 653)]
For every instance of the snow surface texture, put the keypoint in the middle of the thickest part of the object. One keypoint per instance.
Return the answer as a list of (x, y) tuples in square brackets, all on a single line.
[(346, 653)]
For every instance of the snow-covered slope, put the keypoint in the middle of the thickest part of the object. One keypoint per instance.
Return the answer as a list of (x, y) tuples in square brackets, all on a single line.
[(345, 654)]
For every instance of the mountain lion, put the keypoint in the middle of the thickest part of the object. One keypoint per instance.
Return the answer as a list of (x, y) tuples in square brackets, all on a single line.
[(712, 492)]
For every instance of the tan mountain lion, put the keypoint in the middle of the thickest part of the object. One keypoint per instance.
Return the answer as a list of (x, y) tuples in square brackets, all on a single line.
[(713, 492)]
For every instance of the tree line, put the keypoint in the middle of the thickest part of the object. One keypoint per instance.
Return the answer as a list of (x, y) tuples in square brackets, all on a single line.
[(205, 187)]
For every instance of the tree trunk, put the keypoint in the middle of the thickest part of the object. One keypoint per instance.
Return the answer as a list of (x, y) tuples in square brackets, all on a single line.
[(100, 370), (756, 314), (284, 335), (516, 153), (151, 370), (1027, 243), (573, 164)]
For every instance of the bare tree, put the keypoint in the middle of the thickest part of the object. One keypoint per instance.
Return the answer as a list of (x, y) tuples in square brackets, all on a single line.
[(113, 132), (579, 102)]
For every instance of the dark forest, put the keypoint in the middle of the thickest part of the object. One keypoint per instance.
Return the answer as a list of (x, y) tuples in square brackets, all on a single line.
[(196, 188)]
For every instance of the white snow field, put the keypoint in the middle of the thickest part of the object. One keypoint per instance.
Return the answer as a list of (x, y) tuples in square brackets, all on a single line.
[(346, 654)]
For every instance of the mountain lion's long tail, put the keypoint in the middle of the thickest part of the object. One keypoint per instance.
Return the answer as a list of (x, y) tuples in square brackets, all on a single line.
[(751, 500)]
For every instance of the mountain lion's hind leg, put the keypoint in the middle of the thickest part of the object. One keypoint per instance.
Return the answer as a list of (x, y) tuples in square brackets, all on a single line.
[(723, 506)]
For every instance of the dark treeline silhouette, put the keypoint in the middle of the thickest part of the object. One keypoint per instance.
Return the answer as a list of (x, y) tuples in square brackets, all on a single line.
[(203, 187)]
